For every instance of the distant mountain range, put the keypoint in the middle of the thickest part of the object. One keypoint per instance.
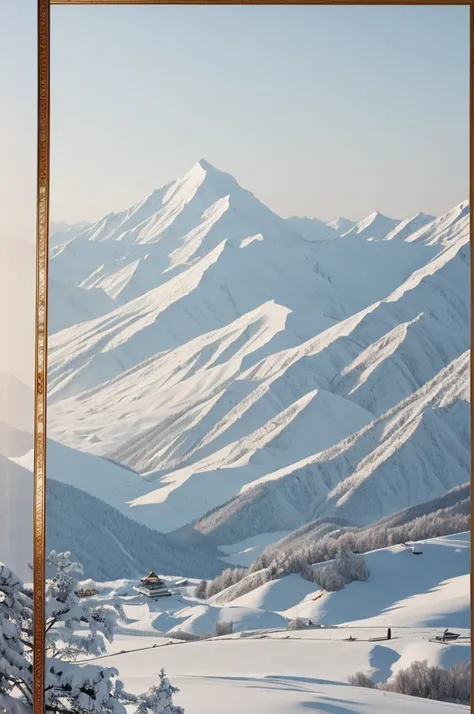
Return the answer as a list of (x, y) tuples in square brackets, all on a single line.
[(218, 370)]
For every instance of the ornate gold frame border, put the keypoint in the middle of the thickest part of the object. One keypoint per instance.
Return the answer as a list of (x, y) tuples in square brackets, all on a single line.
[(42, 235), (41, 353)]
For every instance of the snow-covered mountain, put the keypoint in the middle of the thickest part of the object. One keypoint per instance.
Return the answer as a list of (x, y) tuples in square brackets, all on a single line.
[(62, 226), (234, 362), (88, 527), (419, 448), (374, 227), (341, 225), (454, 502), (312, 229), (61, 232)]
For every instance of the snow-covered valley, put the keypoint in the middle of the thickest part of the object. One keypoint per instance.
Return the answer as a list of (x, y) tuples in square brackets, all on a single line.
[(264, 665)]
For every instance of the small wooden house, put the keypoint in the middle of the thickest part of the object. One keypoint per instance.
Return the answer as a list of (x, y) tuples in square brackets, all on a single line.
[(152, 586)]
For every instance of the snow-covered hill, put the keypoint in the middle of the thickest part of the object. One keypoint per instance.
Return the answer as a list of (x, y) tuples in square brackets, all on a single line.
[(234, 357), (106, 542), (403, 590), (110, 545), (284, 675), (265, 666), (454, 502)]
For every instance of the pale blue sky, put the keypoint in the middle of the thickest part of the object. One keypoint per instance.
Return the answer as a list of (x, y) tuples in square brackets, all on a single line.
[(319, 111)]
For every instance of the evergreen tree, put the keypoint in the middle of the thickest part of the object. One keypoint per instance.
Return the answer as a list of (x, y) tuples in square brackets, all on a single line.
[(70, 687)]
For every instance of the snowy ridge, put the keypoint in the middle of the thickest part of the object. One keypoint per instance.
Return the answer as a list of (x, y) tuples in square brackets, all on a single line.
[(313, 229), (376, 471), (244, 361), (453, 502), (98, 528), (374, 227), (341, 225), (70, 304)]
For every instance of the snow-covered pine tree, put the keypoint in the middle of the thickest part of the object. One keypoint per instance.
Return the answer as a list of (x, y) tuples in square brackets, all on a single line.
[(73, 628), (16, 641), (66, 614), (159, 700)]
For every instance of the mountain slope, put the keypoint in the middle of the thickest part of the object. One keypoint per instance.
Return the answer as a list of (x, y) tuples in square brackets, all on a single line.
[(103, 540), (431, 590), (312, 229), (110, 545), (185, 415), (230, 348), (99, 477), (453, 502), (374, 226), (70, 304), (419, 447), (341, 225)]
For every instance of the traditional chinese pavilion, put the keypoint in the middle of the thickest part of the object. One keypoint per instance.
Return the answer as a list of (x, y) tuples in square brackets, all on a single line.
[(152, 586)]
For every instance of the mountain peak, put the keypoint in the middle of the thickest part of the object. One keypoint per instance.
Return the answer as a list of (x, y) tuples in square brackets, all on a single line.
[(206, 165), (203, 168), (204, 172), (374, 216), (375, 225)]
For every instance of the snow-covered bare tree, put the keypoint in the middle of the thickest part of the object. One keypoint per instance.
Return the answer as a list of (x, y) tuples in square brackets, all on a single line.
[(73, 628), (201, 590), (447, 684), (297, 624), (224, 627)]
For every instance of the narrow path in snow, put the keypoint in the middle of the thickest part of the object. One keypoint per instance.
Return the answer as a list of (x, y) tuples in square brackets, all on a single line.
[(267, 635)]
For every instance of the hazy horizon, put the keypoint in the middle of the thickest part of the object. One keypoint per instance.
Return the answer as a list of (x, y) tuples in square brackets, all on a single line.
[(319, 111), (59, 221)]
